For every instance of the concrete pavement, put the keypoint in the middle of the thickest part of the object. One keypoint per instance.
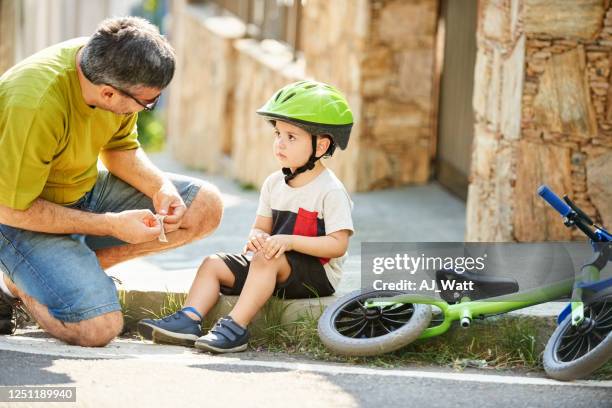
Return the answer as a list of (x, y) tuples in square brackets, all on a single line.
[(133, 373)]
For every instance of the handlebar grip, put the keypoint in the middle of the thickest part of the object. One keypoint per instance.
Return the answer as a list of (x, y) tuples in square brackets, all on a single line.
[(552, 199)]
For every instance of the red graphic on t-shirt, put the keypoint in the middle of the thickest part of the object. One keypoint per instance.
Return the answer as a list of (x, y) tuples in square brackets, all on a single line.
[(306, 225)]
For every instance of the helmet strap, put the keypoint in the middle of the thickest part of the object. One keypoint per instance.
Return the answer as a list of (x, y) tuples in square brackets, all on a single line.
[(310, 164)]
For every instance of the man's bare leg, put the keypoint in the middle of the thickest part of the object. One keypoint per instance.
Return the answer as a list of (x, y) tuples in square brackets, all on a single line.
[(95, 332), (201, 218)]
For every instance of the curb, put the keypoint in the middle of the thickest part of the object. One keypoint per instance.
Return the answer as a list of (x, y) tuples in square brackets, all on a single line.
[(139, 305)]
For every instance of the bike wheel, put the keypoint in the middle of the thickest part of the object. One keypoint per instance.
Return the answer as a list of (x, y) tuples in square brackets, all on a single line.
[(348, 328), (575, 352)]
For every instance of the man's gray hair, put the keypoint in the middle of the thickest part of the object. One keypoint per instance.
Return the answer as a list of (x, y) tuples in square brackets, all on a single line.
[(126, 52)]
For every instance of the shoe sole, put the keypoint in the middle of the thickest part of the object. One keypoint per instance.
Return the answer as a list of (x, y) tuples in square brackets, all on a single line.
[(159, 335), (212, 349), (7, 327)]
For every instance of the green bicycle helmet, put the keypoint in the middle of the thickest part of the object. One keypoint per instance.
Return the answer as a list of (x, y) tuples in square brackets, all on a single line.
[(316, 107)]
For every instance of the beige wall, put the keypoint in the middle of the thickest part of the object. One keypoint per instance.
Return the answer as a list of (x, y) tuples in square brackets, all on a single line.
[(31, 25), (8, 31), (261, 69), (200, 103), (382, 64), (543, 115)]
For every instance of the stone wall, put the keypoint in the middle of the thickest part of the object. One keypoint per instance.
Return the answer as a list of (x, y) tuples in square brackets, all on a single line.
[(385, 66), (363, 47), (543, 116), (28, 26), (262, 68), (200, 105), (398, 101), (7, 34), (335, 55)]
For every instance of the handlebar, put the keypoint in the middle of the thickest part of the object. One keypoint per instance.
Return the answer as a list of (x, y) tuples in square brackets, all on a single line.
[(554, 200)]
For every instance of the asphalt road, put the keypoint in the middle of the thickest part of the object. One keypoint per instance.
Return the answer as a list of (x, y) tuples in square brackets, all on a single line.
[(134, 373)]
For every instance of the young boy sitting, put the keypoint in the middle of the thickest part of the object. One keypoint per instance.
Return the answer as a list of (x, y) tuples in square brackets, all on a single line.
[(301, 232)]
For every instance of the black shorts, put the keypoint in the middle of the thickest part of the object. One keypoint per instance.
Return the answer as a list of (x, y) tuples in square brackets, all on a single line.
[(306, 280)]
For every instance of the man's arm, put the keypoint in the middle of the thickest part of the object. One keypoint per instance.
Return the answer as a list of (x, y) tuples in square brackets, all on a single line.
[(134, 167), (44, 216)]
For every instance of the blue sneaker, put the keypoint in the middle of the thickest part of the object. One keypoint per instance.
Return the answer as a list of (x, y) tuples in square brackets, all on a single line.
[(226, 337), (178, 328)]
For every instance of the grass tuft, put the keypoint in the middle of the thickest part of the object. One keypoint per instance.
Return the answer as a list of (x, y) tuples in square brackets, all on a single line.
[(173, 302)]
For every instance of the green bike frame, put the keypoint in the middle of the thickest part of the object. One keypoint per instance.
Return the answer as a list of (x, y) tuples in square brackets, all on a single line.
[(574, 288), (466, 310)]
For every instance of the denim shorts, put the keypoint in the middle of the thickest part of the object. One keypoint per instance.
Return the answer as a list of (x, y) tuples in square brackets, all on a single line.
[(62, 271)]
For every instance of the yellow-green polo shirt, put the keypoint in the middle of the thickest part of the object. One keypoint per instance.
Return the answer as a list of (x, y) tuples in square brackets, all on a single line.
[(49, 137)]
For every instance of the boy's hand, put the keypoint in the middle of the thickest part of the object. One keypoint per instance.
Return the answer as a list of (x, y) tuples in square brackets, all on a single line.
[(276, 245), (256, 241)]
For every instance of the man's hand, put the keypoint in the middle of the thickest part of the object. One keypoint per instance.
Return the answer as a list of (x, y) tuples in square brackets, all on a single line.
[(256, 241), (276, 245), (167, 201), (134, 226)]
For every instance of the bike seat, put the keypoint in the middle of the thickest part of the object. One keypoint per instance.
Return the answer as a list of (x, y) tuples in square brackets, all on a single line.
[(453, 285)]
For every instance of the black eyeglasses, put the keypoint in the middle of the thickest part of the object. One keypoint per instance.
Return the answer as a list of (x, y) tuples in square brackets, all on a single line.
[(147, 106)]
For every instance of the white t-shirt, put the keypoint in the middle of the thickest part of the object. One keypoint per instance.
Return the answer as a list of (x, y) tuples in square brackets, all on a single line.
[(319, 208)]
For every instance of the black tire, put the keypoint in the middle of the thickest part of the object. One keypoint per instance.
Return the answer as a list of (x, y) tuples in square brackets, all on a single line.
[(346, 328), (575, 352)]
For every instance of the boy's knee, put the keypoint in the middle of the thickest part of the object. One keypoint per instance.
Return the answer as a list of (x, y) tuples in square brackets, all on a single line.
[(260, 259), (210, 265), (98, 331)]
